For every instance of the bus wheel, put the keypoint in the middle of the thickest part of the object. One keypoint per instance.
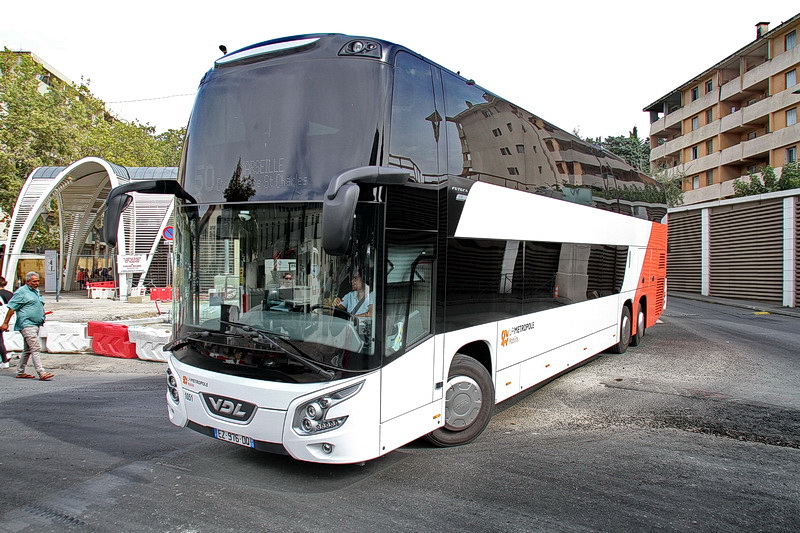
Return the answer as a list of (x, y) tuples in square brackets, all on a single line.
[(624, 339), (636, 338), (469, 399)]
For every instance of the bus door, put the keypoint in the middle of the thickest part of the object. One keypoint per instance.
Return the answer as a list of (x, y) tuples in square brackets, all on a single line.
[(412, 364)]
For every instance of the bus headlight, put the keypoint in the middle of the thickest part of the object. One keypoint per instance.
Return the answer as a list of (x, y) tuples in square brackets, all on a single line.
[(172, 386), (311, 417)]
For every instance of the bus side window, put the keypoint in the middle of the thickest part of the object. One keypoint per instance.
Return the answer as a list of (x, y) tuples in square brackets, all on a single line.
[(416, 123)]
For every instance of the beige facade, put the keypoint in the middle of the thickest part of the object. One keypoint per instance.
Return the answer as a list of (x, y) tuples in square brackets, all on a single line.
[(734, 118)]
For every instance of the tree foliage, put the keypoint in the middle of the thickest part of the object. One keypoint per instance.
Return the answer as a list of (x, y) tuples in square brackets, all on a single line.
[(636, 152), (63, 124), (768, 181), (632, 149)]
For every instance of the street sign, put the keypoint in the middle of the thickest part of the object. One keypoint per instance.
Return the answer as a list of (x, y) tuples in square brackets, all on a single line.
[(131, 264), (169, 232)]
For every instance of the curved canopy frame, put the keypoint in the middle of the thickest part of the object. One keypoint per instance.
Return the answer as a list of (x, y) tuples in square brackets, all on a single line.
[(80, 190)]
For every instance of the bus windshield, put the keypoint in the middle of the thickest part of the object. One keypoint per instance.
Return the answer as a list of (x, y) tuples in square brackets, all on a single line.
[(270, 302), (280, 131)]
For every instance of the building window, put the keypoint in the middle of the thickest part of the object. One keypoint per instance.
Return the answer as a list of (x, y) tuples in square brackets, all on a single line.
[(514, 171), (695, 93), (791, 78), (509, 127), (709, 116), (497, 132), (709, 146), (505, 151), (696, 182), (487, 113), (695, 123), (791, 155), (709, 86), (520, 148), (791, 40), (710, 177), (791, 116), (752, 135), (695, 152)]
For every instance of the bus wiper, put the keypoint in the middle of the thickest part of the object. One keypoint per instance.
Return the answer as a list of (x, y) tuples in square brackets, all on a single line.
[(270, 337), (184, 340)]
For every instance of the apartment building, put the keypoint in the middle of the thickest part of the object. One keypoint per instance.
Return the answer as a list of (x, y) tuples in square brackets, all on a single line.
[(734, 118), (50, 75)]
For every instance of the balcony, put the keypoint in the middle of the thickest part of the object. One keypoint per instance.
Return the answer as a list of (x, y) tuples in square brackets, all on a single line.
[(732, 122), (758, 113), (757, 75), (731, 155), (731, 90)]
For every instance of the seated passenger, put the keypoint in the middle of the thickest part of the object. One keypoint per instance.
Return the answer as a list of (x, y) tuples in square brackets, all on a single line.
[(360, 300)]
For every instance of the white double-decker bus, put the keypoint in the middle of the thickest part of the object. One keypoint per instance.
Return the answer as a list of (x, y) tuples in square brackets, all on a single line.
[(370, 249)]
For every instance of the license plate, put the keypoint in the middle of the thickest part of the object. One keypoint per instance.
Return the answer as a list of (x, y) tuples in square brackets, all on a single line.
[(235, 438)]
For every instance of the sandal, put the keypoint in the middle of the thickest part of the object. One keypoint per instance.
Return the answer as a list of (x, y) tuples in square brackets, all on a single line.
[(46, 377), (25, 376)]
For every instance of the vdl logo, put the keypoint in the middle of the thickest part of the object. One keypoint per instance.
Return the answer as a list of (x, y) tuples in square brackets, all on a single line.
[(229, 407)]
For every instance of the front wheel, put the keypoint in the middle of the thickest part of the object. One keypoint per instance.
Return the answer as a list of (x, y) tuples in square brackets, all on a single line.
[(469, 400), (624, 339)]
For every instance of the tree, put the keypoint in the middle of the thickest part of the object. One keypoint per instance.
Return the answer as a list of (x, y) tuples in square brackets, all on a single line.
[(632, 149), (636, 152), (768, 182), (671, 186), (62, 124)]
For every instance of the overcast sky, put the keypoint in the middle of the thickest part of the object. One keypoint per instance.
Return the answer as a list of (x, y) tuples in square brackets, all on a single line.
[(591, 66)]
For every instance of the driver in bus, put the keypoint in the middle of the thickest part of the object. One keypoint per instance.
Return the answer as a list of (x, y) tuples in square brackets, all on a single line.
[(360, 300)]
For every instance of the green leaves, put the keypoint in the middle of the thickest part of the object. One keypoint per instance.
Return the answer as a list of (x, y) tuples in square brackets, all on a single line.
[(768, 181), (44, 122)]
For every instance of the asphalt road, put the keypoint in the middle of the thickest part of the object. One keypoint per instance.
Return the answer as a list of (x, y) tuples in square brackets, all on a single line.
[(697, 429)]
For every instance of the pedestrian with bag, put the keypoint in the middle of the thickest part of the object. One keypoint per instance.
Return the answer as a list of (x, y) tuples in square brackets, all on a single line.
[(5, 297), (29, 306)]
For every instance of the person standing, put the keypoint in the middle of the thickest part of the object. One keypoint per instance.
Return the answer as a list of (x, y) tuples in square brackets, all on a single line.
[(5, 297), (29, 306)]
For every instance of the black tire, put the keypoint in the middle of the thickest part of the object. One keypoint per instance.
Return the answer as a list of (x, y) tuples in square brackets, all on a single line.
[(469, 402), (636, 338), (624, 339)]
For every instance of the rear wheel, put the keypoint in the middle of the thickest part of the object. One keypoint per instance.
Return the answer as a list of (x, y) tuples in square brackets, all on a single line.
[(469, 399), (624, 338), (636, 338)]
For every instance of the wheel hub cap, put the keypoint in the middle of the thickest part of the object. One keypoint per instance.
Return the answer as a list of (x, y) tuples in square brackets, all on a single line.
[(462, 403)]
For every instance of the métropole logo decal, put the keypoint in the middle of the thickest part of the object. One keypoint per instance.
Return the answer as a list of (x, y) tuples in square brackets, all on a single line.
[(191, 382), (509, 336)]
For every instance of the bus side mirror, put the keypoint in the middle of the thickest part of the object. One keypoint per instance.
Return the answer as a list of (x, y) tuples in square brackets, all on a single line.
[(337, 219), (339, 206), (119, 199), (114, 208)]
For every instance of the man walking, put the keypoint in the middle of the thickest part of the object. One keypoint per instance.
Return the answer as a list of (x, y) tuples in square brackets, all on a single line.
[(29, 306)]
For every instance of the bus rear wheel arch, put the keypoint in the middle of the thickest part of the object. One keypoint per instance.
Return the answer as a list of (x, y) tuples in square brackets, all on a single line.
[(469, 401)]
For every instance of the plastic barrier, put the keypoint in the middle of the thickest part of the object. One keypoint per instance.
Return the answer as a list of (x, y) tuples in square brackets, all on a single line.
[(150, 342), (111, 340), (101, 289), (161, 293), (102, 284), (14, 341), (99, 293), (65, 337)]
